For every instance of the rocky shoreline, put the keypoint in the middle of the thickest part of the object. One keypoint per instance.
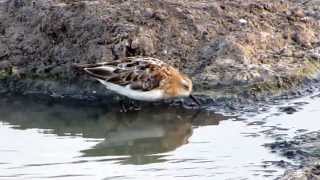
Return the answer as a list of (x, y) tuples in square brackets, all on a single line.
[(235, 51), (304, 149)]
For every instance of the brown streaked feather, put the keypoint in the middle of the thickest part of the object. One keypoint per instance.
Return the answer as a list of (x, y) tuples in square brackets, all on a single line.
[(143, 74)]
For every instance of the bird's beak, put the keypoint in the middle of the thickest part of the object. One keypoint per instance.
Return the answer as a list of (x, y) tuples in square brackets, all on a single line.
[(195, 100)]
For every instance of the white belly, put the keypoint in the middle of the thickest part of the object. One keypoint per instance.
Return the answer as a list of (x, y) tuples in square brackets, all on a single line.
[(153, 95)]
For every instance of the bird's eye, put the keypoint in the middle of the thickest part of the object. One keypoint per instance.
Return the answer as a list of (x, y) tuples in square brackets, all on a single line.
[(185, 86)]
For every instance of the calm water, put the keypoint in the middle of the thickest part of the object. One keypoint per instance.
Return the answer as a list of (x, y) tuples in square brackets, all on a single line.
[(41, 140)]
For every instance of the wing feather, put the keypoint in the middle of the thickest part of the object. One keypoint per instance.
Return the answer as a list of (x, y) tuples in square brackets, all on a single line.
[(142, 74)]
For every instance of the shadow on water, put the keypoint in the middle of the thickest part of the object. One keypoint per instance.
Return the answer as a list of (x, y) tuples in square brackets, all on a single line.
[(138, 135)]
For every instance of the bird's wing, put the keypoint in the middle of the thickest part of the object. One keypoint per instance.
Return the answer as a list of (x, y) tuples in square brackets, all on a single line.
[(136, 73)]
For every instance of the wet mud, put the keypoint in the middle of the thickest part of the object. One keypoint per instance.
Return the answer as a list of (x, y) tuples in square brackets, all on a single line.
[(238, 49)]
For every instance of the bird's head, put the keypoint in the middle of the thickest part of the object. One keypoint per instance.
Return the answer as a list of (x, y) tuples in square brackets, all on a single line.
[(180, 85), (184, 86)]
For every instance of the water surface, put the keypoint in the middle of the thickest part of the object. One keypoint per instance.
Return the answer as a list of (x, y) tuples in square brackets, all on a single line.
[(46, 140)]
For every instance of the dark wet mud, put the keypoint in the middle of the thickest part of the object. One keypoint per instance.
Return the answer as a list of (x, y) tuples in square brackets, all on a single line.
[(229, 48)]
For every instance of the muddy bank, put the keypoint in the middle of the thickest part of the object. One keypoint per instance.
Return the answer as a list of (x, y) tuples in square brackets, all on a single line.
[(304, 150), (309, 173), (238, 48)]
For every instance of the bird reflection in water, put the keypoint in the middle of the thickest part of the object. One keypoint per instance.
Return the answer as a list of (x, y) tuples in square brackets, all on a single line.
[(140, 136)]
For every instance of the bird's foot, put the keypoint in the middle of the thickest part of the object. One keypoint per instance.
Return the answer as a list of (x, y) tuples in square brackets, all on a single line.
[(193, 103), (129, 106)]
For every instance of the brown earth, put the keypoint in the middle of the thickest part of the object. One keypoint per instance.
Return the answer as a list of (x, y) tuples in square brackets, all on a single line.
[(227, 46)]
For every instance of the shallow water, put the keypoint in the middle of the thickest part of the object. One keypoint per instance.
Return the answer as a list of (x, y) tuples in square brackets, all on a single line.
[(45, 140)]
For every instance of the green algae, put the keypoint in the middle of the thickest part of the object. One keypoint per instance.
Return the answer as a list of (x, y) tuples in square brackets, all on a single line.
[(283, 83), (274, 86), (4, 74)]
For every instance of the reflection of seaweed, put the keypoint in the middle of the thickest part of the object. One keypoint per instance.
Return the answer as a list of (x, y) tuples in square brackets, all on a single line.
[(138, 134)]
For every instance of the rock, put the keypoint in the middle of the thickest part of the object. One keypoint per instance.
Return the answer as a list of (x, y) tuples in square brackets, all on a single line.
[(243, 21), (303, 149), (149, 13), (307, 173), (288, 109), (303, 36), (315, 53), (224, 62), (161, 15), (144, 42), (4, 50), (298, 12)]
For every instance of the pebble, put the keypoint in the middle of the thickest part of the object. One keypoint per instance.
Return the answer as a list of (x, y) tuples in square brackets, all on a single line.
[(288, 109), (243, 21)]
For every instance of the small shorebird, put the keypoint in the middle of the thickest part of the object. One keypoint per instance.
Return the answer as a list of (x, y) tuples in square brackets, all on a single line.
[(141, 78)]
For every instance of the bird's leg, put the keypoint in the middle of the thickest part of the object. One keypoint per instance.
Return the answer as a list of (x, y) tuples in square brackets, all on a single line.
[(176, 102), (129, 105), (194, 104), (138, 106), (135, 105), (122, 104)]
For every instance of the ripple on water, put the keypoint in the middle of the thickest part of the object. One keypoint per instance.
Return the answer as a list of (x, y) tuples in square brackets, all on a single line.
[(54, 140)]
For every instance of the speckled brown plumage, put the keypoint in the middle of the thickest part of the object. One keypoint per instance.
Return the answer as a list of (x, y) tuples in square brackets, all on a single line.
[(141, 74)]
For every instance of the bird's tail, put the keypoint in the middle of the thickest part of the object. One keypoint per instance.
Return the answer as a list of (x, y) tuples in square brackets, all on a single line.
[(92, 70), (82, 67)]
